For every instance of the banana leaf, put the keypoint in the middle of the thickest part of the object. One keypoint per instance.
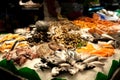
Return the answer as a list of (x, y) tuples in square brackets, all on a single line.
[(58, 78), (28, 73), (101, 76), (8, 65), (25, 72)]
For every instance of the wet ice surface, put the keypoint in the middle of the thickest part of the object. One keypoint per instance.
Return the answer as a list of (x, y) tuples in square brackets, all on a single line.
[(82, 75)]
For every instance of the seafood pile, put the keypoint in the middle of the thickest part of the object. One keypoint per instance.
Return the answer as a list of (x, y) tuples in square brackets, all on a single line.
[(15, 47), (63, 46), (49, 48), (9, 41), (38, 33), (69, 61), (66, 33), (97, 25), (57, 35), (101, 49), (20, 55), (73, 59), (62, 32), (94, 30)]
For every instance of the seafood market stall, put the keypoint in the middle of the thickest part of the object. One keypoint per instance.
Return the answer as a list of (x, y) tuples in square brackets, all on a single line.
[(82, 49)]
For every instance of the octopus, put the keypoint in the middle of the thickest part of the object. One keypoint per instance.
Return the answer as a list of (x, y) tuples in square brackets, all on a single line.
[(20, 55), (46, 49)]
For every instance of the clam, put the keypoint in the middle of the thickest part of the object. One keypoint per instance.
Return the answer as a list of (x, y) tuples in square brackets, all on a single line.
[(80, 66), (73, 70), (62, 55), (41, 65), (55, 71)]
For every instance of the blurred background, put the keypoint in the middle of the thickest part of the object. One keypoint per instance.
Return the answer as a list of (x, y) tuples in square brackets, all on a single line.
[(14, 14)]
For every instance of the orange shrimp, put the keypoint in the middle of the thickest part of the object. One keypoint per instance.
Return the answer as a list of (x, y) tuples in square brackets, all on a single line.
[(104, 50)]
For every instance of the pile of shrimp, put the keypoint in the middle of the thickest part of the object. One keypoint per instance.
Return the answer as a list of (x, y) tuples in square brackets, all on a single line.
[(96, 24)]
